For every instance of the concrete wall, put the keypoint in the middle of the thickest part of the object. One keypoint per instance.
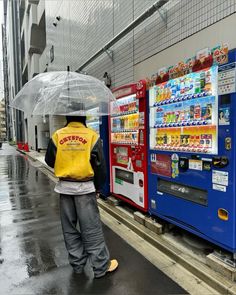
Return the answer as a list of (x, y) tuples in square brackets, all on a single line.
[(222, 31), (42, 132), (33, 38), (56, 122), (85, 26)]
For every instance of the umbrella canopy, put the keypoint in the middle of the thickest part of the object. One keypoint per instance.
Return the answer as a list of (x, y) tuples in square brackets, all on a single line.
[(65, 93)]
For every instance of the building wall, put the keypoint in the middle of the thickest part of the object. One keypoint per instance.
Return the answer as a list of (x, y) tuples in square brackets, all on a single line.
[(42, 125), (5, 77), (222, 31), (56, 122), (32, 41), (85, 26), (2, 120), (11, 67)]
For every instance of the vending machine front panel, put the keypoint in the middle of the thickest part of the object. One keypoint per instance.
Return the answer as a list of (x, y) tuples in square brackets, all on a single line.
[(100, 126), (128, 145), (192, 153)]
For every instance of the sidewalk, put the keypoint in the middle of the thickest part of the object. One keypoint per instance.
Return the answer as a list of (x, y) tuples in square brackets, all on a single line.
[(33, 256), (37, 157), (179, 254)]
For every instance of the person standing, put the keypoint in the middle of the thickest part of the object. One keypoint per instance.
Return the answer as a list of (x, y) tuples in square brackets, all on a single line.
[(75, 152)]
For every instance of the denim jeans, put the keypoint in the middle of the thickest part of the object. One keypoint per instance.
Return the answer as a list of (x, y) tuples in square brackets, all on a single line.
[(83, 234)]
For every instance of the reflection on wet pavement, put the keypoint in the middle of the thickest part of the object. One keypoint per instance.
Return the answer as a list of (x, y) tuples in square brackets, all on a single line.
[(33, 259), (31, 242)]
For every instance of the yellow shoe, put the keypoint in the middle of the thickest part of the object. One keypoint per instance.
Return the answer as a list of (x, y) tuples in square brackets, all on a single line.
[(113, 265)]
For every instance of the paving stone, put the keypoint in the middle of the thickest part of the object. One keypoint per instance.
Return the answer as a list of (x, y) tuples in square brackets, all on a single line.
[(139, 217), (113, 201), (221, 267), (153, 225)]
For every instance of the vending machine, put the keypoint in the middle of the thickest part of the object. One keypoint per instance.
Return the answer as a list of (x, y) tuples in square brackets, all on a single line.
[(93, 121), (128, 145), (100, 125), (192, 164)]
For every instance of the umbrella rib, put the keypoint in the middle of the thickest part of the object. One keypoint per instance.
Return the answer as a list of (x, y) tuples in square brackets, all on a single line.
[(63, 93)]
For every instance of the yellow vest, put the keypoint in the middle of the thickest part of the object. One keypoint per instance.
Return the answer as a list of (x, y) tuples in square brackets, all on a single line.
[(74, 145)]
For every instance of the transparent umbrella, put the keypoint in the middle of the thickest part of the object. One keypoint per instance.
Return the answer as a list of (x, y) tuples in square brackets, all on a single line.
[(65, 93)]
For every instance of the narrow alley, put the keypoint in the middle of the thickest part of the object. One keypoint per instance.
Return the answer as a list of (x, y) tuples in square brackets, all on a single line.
[(32, 253)]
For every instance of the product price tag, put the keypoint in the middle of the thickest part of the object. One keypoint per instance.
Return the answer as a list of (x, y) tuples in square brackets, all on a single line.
[(220, 177), (195, 164), (141, 120)]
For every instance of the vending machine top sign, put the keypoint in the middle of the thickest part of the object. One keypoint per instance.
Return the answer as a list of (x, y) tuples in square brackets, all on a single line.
[(184, 113)]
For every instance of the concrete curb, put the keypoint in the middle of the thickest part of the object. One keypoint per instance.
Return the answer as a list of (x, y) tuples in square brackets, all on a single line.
[(213, 279), (26, 153)]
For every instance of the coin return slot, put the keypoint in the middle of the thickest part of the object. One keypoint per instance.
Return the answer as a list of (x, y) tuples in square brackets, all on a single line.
[(223, 214)]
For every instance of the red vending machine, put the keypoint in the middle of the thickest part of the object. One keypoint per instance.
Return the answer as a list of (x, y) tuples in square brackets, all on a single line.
[(128, 145)]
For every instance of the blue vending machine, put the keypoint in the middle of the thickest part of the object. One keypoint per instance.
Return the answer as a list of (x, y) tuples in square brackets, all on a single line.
[(192, 164), (100, 125)]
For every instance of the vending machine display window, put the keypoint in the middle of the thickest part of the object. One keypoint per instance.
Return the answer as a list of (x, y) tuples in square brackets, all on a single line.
[(93, 121), (125, 121), (184, 113), (122, 155)]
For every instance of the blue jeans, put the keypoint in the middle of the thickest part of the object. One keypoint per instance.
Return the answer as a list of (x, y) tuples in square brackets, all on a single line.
[(83, 234)]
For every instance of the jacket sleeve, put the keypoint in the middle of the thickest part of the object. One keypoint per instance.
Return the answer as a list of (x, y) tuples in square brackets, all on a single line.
[(98, 164), (50, 156)]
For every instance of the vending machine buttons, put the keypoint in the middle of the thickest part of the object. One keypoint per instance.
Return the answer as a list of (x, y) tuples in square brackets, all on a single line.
[(228, 143), (206, 165), (138, 163), (183, 164)]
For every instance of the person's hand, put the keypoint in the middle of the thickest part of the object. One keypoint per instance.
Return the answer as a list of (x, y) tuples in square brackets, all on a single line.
[(97, 194)]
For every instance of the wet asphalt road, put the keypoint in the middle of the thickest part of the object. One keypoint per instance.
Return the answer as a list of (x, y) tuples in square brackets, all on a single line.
[(31, 243), (33, 259)]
